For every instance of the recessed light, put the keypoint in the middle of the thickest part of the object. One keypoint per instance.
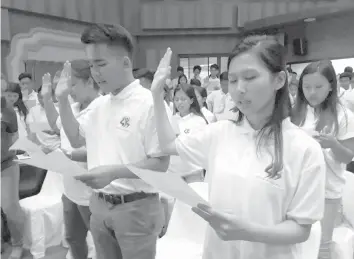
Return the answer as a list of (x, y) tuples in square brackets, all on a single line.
[(310, 19)]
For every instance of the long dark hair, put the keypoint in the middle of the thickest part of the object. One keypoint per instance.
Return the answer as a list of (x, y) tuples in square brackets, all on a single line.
[(15, 88), (180, 77), (328, 115), (203, 93), (189, 91), (272, 54)]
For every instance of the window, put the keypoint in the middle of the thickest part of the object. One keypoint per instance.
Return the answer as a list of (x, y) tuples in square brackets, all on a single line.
[(205, 61)]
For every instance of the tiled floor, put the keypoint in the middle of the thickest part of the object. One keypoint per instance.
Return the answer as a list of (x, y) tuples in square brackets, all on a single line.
[(57, 252)]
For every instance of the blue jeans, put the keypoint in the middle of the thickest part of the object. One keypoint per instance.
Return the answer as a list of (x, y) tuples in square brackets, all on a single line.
[(77, 223), (126, 231)]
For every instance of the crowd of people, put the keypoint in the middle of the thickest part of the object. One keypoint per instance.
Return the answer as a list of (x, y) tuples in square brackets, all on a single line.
[(272, 147)]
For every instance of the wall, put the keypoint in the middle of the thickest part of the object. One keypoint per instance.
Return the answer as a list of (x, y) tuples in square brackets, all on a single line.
[(22, 22), (5, 50), (153, 48), (331, 38), (80, 10), (328, 38)]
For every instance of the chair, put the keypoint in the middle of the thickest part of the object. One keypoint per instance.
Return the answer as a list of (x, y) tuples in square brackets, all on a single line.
[(31, 180), (343, 236), (186, 232), (44, 216)]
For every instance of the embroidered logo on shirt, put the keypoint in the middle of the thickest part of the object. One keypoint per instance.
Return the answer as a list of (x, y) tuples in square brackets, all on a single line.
[(186, 131), (125, 122)]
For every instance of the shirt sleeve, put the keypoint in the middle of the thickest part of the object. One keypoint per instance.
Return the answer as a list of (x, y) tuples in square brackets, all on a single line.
[(196, 146), (210, 101), (9, 119), (149, 131), (86, 118), (30, 117), (307, 204), (346, 124)]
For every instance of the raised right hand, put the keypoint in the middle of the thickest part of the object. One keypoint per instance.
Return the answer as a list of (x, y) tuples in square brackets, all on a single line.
[(46, 86), (63, 88), (163, 72)]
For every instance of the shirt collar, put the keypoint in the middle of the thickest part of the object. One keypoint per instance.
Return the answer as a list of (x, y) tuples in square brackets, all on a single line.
[(246, 128), (127, 91)]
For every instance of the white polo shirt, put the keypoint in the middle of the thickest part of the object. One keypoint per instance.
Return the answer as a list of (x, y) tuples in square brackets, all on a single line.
[(221, 104), (185, 125), (240, 185), (347, 99), (30, 100), (75, 190), (335, 178), (120, 131), (37, 115), (208, 115), (211, 84)]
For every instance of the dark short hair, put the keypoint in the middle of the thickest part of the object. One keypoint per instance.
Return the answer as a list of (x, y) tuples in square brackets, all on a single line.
[(346, 74), (224, 76), (289, 69), (197, 67), (24, 75), (215, 66), (348, 69), (109, 34), (195, 82), (179, 68), (144, 73)]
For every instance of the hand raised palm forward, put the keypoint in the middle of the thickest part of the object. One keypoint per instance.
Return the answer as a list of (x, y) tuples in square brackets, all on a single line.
[(46, 85), (162, 73), (64, 85)]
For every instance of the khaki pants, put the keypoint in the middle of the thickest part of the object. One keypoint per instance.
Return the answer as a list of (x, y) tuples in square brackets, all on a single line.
[(10, 179), (126, 231), (77, 223)]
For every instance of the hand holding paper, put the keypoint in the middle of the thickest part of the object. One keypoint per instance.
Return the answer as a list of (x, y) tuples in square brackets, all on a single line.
[(98, 177), (171, 184)]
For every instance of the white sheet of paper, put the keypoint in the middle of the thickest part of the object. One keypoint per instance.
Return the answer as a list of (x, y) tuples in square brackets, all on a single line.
[(170, 184), (25, 144), (55, 161), (23, 157)]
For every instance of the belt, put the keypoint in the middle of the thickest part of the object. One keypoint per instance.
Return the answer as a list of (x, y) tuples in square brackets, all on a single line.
[(116, 199)]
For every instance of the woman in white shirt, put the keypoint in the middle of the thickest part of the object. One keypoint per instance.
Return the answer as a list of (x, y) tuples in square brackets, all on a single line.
[(266, 176), (187, 118), (46, 138), (319, 111), (14, 97), (202, 95)]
